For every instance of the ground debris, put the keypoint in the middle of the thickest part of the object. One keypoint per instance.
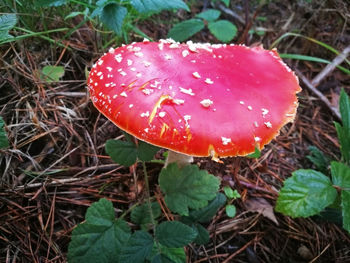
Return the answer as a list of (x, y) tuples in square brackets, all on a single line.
[(56, 165)]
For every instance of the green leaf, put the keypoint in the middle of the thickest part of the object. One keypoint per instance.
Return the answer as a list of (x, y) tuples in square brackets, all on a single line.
[(49, 3), (100, 238), (202, 234), (141, 215), (345, 202), (52, 73), (160, 258), (205, 214), (169, 255), (306, 193), (344, 140), (320, 160), (145, 6), (187, 187), (223, 30), (226, 2), (174, 234), (230, 211), (7, 22), (340, 175), (176, 255), (344, 108), (4, 143), (146, 151), (112, 16), (186, 29), (126, 152), (333, 215), (100, 213), (4, 36), (209, 15), (73, 14), (255, 154), (232, 194), (122, 152), (138, 248)]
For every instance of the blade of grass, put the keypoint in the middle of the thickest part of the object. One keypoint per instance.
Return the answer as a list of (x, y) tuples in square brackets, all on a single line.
[(313, 59), (322, 44), (72, 30), (36, 34)]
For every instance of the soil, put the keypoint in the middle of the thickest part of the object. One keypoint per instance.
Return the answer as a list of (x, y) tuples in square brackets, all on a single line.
[(56, 166)]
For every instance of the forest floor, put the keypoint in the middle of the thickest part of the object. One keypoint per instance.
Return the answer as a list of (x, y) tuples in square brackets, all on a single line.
[(56, 165)]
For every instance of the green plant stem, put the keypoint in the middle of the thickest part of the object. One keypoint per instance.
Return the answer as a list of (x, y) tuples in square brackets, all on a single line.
[(36, 34), (83, 4), (148, 196)]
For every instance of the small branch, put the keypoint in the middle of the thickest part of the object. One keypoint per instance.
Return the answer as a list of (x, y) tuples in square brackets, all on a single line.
[(330, 67), (230, 12), (319, 94)]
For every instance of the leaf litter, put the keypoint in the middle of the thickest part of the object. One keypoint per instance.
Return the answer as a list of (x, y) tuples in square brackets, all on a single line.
[(56, 167)]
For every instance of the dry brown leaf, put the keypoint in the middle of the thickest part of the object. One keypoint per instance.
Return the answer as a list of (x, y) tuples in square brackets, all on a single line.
[(261, 206)]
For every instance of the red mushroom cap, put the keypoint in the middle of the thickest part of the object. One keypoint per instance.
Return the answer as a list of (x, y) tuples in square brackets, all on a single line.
[(196, 99)]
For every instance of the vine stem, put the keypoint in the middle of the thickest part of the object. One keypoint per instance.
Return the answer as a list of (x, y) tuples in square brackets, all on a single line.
[(148, 197)]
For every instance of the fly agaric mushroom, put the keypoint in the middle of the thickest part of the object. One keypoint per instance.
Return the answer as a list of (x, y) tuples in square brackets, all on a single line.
[(195, 99)]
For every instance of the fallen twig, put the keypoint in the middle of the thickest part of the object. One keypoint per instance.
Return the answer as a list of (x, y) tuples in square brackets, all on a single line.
[(319, 94), (230, 12), (330, 67)]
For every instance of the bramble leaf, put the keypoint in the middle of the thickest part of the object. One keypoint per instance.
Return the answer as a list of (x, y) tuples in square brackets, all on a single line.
[(4, 143), (205, 214), (145, 6), (169, 255), (100, 233), (306, 193), (345, 203), (223, 30), (187, 187), (138, 248), (174, 234), (318, 158), (340, 175), (209, 14), (52, 73), (112, 16), (140, 215), (186, 29), (126, 152), (122, 152), (146, 151), (7, 22), (202, 234)]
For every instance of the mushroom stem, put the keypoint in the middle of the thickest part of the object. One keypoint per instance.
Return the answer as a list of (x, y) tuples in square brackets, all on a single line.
[(179, 158)]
